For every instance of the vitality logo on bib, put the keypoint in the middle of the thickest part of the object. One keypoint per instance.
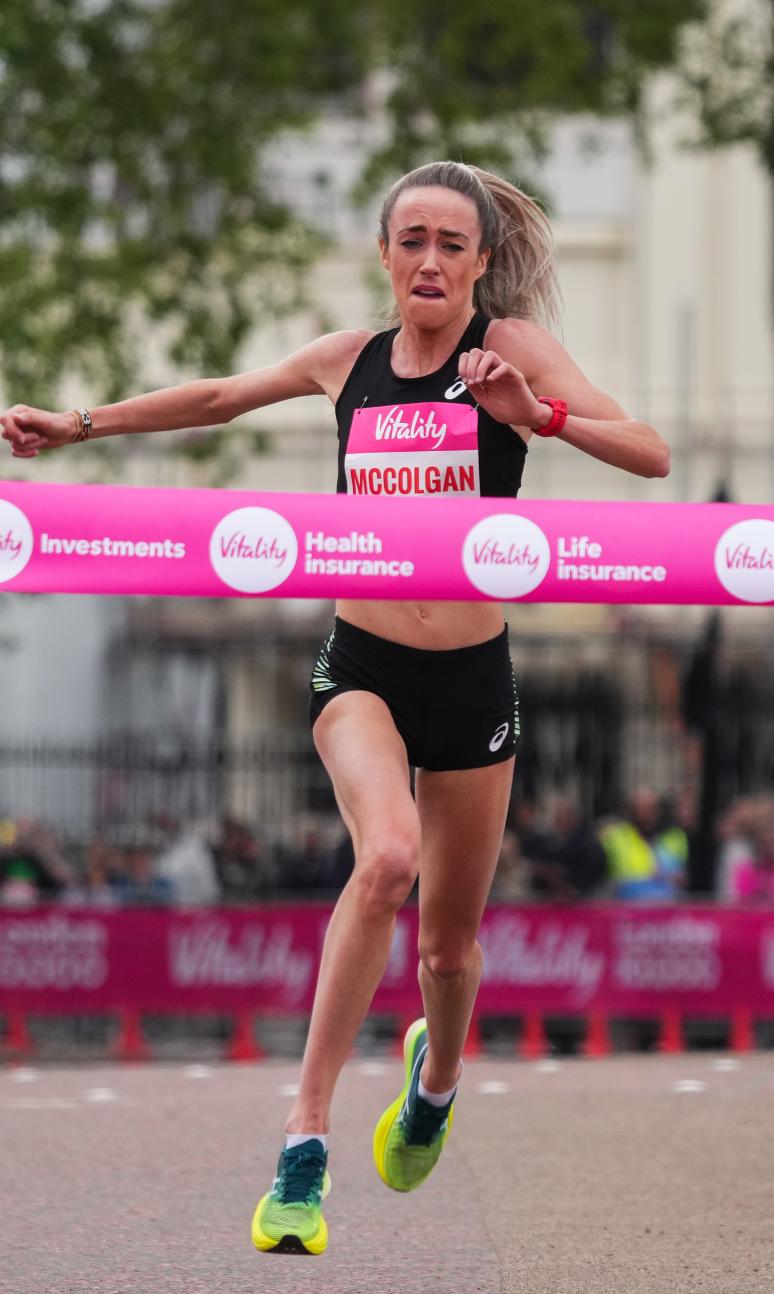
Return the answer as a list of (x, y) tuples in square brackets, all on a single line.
[(16, 541), (253, 549)]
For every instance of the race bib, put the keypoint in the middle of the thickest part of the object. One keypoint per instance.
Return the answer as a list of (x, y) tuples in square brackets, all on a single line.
[(413, 449)]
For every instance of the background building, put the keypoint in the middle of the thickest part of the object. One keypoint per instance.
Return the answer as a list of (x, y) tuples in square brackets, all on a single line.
[(665, 271)]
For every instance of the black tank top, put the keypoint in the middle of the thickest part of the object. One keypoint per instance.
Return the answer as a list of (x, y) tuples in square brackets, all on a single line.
[(422, 435)]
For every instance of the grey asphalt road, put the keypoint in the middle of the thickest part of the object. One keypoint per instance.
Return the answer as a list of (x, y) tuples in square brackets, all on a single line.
[(576, 1177)]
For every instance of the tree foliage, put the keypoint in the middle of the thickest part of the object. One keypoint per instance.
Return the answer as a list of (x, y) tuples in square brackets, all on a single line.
[(131, 182), (726, 71), (132, 137), (486, 79)]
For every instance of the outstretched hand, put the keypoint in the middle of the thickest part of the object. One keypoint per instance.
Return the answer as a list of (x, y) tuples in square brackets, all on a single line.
[(29, 430), (501, 389)]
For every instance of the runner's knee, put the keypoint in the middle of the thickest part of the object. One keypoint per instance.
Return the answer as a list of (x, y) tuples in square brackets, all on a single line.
[(386, 872), (449, 958)]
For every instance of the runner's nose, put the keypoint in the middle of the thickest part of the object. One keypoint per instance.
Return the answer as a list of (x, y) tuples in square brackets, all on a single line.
[(430, 261)]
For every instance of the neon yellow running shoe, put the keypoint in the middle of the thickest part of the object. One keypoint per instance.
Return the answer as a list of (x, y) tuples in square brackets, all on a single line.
[(288, 1219), (411, 1133)]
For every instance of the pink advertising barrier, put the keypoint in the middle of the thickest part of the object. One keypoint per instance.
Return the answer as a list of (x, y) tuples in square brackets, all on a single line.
[(227, 543), (617, 960)]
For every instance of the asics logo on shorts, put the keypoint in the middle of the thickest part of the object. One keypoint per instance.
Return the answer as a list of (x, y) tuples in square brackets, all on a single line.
[(455, 389), (499, 737)]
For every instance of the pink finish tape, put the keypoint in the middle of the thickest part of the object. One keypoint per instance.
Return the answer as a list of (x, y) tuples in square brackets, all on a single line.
[(226, 543)]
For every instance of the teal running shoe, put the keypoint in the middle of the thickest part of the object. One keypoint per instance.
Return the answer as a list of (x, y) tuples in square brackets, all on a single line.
[(288, 1219), (411, 1133)]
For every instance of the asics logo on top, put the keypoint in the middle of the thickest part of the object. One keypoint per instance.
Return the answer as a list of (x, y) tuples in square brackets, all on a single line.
[(499, 737), (454, 390)]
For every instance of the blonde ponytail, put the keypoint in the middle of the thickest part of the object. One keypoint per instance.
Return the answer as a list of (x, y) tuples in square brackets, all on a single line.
[(520, 280)]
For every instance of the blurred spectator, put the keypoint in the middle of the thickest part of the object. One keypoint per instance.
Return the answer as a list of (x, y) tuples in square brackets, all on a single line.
[(678, 823), (306, 866), (735, 834), (98, 886), (575, 849), (564, 859), (341, 860), (320, 859), (243, 869), (139, 883), (512, 880), (535, 850), (187, 863), (646, 857), (524, 818), (32, 866), (752, 878)]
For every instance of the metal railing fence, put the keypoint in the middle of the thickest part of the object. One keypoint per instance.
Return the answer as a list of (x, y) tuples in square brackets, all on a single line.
[(585, 735)]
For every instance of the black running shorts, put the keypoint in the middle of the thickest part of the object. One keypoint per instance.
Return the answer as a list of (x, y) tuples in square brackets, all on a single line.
[(454, 709)]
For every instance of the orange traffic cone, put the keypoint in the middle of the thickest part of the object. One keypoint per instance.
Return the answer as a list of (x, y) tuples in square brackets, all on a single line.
[(244, 1045), (18, 1043), (597, 1040), (532, 1042), (742, 1036), (473, 1046), (671, 1037), (131, 1045)]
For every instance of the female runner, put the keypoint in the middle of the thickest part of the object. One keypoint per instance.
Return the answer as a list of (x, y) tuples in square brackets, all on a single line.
[(399, 683)]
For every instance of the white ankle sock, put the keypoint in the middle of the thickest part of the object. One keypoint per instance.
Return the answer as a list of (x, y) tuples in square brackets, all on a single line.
[(437, 1098), (298, 1138)]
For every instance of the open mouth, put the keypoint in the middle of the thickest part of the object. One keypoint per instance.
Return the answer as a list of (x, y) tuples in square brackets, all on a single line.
[(427, 292)]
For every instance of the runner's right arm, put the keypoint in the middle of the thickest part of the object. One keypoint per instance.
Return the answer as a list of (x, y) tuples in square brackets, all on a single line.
[(320, 368)]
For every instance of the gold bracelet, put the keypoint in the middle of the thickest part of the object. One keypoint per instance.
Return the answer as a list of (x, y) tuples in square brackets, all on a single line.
[(84, 425)]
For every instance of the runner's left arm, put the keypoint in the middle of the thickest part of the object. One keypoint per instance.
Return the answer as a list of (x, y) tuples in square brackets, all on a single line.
[(525, 362)]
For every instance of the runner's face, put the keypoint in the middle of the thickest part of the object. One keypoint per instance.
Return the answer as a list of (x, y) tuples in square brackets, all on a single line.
[(433, 255)]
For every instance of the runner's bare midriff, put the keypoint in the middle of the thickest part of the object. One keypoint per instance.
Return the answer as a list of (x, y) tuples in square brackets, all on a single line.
[(437, 626)]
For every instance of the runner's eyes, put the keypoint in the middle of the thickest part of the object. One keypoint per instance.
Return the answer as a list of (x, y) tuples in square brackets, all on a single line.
[(415, 242)]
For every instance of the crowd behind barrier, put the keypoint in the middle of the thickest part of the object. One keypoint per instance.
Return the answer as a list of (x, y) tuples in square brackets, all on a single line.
[(550, 853)]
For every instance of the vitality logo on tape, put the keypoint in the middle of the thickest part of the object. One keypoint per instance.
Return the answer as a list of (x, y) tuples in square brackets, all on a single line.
[(506, 556), (744, 560), (16, 541), (253, 550)]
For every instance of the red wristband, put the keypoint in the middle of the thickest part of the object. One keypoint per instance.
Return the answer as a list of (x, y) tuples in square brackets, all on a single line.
[(558, 417)]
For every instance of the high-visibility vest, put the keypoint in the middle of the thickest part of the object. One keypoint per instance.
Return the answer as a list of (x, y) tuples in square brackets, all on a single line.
[(642, 868), (672, 848), (629, 856)]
